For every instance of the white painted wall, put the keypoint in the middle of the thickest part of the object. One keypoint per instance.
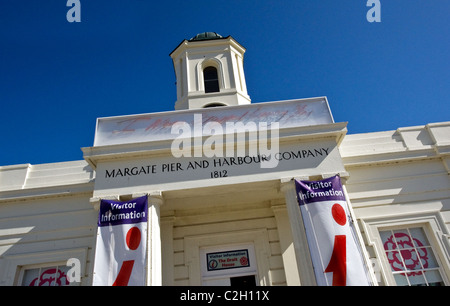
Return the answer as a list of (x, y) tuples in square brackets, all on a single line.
[(395, 178)]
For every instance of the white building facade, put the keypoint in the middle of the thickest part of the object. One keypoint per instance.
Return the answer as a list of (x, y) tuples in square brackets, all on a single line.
[(207, 201)]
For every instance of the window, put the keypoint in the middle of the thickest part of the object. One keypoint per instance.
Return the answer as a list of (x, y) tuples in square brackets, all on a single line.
[(34, 268), (409, 248), (55, 275), (411, 257), (211, 79)]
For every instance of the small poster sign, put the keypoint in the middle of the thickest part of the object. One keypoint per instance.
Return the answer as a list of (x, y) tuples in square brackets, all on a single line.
[(227, 260)]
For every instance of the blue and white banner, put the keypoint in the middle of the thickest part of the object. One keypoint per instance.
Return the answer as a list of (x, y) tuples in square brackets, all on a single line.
[(121, 243), (335, 251)]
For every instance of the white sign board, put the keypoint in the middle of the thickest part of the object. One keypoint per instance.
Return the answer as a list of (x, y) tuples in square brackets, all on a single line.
[(167, 172), (158, 126)]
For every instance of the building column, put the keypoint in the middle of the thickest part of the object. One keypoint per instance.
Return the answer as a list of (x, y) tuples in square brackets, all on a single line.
[(167, 223), (95, 202), (286, 244), (302, 254), (154, 266)]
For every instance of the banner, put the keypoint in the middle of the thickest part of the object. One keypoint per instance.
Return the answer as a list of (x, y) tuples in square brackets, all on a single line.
[(335, 251), (121, 243)]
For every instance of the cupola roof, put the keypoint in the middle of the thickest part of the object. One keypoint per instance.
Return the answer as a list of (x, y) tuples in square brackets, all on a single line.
[(206, 36)]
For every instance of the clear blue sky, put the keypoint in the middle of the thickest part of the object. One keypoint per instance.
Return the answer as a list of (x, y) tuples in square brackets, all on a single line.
[(57, 77)]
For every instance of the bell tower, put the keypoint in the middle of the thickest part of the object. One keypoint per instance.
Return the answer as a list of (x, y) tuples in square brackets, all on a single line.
[(209, 71)]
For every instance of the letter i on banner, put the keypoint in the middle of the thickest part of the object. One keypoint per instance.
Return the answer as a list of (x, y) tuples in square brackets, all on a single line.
[(335, 252), (121, 243)]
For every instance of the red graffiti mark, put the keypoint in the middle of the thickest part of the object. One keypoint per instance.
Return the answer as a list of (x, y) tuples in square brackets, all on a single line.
[(412, 260), (51, 277)]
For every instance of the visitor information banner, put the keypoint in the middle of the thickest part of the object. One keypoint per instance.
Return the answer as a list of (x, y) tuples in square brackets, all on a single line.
[(335, 251), (121, 243)]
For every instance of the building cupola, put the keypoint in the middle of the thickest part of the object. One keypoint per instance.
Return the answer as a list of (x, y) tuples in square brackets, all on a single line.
[(209, 70)]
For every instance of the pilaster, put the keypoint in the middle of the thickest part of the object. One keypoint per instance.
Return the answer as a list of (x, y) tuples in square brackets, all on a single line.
[(302, 253), (154, 262)]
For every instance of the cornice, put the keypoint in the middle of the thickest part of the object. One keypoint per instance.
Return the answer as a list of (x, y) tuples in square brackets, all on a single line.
[(94, 155)]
